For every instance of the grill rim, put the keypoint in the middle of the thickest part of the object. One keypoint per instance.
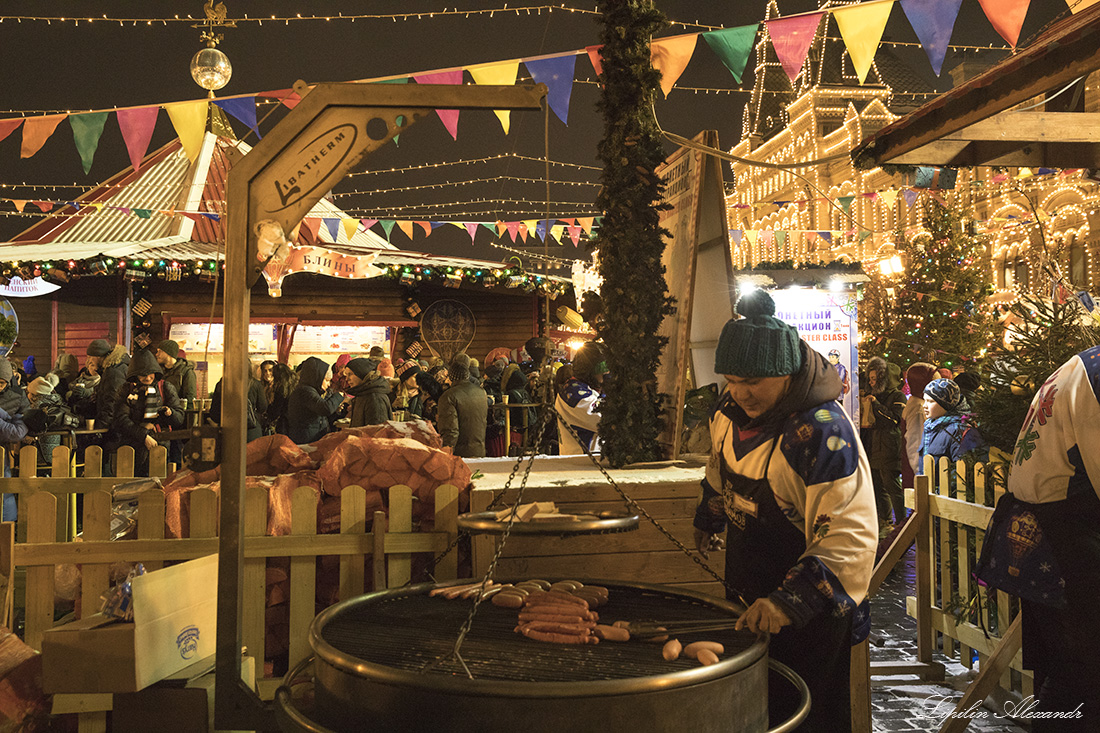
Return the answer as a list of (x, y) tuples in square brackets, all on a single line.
[(341, 662)]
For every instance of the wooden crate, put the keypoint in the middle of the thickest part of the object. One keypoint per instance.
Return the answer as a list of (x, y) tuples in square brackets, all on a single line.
[(668, 493)]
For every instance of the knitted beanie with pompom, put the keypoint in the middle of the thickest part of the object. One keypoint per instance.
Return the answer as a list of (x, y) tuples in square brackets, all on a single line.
[(758, 344)]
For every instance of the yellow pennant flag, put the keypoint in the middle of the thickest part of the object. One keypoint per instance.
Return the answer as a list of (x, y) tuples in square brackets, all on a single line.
[(407, 227), (349, 226), (889, 196), (189, 119), (503, 74), (751, 235), (585, 223), (557, 231), (670, 56), (861, 28)]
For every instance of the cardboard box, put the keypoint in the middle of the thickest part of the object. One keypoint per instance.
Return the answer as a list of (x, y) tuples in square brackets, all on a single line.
[(175, 624)]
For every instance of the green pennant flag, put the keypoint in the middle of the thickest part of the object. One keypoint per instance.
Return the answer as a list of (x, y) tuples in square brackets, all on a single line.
[(87, 129), (387, 226), (142, 213), (732, 46), (780, 239), (845, 202), (864, 234)]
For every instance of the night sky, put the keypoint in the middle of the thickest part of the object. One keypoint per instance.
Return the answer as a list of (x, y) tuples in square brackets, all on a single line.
[(56, 66)]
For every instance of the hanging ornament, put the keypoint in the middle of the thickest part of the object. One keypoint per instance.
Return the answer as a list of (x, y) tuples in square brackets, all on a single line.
[(968, 306), (947, 285)]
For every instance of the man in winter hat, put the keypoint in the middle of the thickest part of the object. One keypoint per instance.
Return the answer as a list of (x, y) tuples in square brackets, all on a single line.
[(178, 371), (368, 392), (789, 479)]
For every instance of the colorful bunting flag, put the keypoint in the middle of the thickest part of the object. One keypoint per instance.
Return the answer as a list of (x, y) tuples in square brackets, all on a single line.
[(243, 109), (368, 223), (137, 126), (670, 56), (595, 55), (189, 119), (889, 196), (909, 195), (1006, 17), (350, 226), (556, 73), (861, 28), (8, 126), (500, 74), (87, 129), (732, 46), (426, 226), (933, 21), (448, 116), (36, 131), (387, 227), (332, 226), (791, 38), (845, 203), (471, 227)]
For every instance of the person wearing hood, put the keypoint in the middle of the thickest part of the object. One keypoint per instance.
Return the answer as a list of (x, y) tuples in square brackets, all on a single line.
[(312, 406), (522, 419), (463, 412), (887, 404), (368, 391), (114, 367), (949, 429), (579, 400), (917, 377), (12, 430), (790, 483), (67, 369), (145, 405), (44, 402)]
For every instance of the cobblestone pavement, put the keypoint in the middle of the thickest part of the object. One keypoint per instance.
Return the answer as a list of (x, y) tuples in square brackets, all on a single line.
[(907, 705)]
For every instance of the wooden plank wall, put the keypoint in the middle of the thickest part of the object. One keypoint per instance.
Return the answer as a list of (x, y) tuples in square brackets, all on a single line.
[(35, 330), (84, 308)]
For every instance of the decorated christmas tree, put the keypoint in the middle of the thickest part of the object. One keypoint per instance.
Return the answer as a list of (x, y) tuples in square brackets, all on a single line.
[(936, 310), (1040, 335), (635, 297)]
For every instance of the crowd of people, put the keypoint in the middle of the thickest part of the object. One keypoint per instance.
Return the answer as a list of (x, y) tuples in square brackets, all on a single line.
[(134, 398)]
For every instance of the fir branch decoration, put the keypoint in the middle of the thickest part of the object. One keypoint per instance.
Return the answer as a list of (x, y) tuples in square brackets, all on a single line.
[(8, 331), (635, 296)]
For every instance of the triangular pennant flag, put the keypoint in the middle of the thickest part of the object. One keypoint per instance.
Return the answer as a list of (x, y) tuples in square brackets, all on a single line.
[(1007, 17), (288, 97), (406, 227), (780, 239), (791, 38), (44, 206), (933, 21), (332, 226), (137, 126), (889, 196), (557, 232), (861, 28), (736, 234), (845, 202), (19, 204), (513, 229), (501, 74), (243, 109), (189, 119), (556, 73), (909, 195), (595, 55), (523, 231), (312, 225), (426, 226), (349, 226), (732, 46), (864, 234), (471, 227), (142, 213), (36, 131), (575, 234), (501, 228), (540, 230), (827, 236), (528, 228), (751, 235), (368, 223), (670, 56), (585, 223), (8, 126), (387, 227), (448, 116), (87, 129)]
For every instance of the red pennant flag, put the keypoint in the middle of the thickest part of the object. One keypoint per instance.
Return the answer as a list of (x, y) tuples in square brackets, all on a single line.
[(313, 226), (36, 131), (596, 57), (8, 126), (137, 129), (513, 228), (426, 226), (449, 116), (1006, 17), (44, 206), (791, 38), (471, 228)]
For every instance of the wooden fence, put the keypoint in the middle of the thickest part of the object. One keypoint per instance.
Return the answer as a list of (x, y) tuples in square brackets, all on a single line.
[(44, 517), (964, 619)]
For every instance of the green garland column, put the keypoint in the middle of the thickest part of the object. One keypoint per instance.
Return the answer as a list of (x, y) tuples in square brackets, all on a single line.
[(631, 239)]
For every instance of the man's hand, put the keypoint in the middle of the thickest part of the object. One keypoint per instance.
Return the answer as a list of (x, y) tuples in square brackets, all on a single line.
[(150, 443), (763, 615), (705, 542)]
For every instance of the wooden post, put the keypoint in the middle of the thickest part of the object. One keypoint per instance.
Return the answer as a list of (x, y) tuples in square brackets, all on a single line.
[(303, 573), (399, 565), (997, 665), (507, 423), (7, 572), (924, 571), (860, 676), (353, 520)]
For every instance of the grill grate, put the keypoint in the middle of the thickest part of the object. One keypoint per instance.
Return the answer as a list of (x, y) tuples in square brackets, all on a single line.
[(410, 632)]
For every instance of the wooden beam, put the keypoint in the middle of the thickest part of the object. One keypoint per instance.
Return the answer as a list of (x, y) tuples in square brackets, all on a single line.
[(978, 690), (1061, 127)]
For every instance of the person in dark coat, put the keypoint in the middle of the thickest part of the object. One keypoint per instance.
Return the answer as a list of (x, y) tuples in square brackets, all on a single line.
[(113, 371), (13, 400), (408, 397), (521, 419), (255, 408), (887, 404), (12, 429), (463, 412), (369, 392), (312, 406), (284, 380), (178, 371), (145, 405)]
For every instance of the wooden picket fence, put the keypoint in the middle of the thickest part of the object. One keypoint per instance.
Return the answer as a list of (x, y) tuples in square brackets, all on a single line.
[(44, 517), (964, 619)]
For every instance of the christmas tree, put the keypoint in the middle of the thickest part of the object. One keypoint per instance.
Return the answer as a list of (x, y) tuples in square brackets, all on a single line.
[(635, 297), (1040, 336), (936, 310)]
